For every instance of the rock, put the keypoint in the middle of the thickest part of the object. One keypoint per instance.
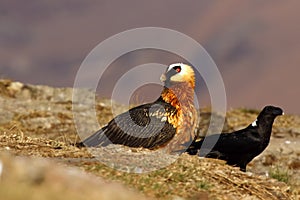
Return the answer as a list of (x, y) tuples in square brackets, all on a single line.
[(268, 159), (294, 164), (43, 179), (15, 87)]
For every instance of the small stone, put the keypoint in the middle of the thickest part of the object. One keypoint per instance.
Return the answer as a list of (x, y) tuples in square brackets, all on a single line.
[(15, 87), (268, 159), (294, 164)]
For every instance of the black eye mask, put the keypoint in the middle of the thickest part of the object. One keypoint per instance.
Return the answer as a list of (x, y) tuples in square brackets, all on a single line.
[(172, 72)]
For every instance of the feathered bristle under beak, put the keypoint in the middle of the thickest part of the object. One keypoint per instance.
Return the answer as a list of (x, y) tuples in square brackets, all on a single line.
[(163, 78)]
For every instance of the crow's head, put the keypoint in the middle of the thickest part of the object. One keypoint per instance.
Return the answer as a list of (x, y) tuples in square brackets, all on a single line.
[(267, 115), (272, 110)]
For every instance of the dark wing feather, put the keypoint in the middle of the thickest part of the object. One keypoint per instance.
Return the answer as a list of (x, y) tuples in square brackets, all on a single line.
[(143, 126), (233, 142), (217, 145), (95, 139)]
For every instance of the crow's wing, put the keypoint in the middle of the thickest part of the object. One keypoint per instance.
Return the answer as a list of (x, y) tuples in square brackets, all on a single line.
[(243, 141)]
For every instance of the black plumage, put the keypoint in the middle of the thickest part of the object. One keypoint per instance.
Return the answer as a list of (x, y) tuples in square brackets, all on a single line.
[(240, 147), (143, 126)]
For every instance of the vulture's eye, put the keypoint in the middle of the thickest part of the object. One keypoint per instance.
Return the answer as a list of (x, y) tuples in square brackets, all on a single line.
[(177, 68)]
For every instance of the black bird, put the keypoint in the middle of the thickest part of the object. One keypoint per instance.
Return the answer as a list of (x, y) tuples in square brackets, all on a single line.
[(168, 122), (240, 147)]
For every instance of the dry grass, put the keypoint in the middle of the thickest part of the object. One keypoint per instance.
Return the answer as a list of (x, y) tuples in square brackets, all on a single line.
[(188, 177), (42, 128)]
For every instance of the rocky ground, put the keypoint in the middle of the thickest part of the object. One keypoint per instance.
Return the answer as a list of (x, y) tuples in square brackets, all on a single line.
[(37, 155)]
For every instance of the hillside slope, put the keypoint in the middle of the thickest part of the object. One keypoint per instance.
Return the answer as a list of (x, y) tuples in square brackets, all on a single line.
[(36, 123)]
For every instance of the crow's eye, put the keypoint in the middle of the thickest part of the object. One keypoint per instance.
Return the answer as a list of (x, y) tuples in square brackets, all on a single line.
[(177, 69)]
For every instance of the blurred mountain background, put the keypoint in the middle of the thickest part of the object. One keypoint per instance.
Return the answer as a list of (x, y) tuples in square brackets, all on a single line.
[(255, 44)]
